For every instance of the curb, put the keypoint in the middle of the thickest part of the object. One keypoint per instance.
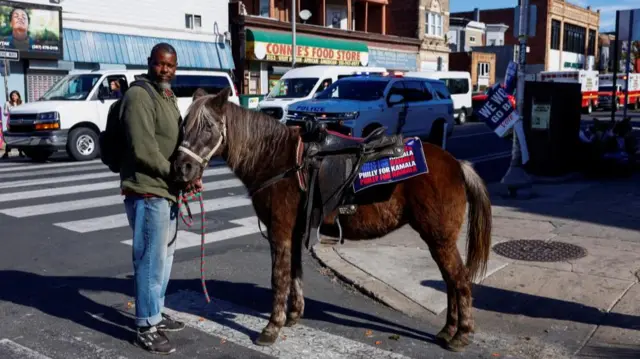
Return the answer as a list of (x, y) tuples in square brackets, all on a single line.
[(367, 284)]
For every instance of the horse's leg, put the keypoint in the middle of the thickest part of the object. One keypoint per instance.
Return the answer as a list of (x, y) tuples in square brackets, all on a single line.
[(451, 325), (297, 297), (458, 294), (280, 285)]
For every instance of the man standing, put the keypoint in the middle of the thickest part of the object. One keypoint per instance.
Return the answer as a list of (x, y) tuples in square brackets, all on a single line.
[(152, 130)]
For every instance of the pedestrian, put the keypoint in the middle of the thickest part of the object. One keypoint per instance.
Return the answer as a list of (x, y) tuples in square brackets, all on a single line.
[(152, 127), (14, 100)]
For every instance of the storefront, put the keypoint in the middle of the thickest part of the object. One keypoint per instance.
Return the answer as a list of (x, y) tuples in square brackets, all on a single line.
[(394, 60), (268, 56)]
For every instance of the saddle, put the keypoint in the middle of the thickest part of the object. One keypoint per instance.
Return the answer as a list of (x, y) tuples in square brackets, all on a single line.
[(332, 162)]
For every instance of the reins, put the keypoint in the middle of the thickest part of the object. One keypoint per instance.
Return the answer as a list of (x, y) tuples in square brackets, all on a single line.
[(183, 202)]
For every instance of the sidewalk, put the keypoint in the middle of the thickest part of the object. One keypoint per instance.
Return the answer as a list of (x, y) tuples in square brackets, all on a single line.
[(582, 308)]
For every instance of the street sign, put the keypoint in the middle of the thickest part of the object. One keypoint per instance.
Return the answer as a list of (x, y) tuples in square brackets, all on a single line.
[(11, 55), (510, 78), (498, 112), (533, 11)]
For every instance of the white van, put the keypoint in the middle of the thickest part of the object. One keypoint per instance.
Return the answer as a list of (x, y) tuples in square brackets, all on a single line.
[(73, 112), (302, 83), (459, 85)]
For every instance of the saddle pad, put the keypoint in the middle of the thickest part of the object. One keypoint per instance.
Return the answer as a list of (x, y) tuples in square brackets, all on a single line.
[(394, 169)]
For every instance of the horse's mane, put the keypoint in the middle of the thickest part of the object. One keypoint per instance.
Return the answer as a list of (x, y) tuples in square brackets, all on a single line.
[(254, 140)]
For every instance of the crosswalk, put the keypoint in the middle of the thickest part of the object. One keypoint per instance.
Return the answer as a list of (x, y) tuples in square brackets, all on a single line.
[(83, 198), (73, 190)]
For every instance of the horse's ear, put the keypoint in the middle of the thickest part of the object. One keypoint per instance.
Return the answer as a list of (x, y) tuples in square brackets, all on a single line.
[(199, 93), (221, 98)]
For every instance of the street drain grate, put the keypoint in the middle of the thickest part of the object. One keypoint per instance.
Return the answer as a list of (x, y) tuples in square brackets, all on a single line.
[(539, 251)]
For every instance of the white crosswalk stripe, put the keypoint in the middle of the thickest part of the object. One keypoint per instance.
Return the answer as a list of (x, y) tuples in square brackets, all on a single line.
[(66, 189)]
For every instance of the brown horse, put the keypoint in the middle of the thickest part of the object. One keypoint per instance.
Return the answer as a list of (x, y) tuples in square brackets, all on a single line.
[(257, 147)]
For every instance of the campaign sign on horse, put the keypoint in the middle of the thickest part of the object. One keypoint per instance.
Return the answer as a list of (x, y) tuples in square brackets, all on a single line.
[(497, 112), (393, 169)]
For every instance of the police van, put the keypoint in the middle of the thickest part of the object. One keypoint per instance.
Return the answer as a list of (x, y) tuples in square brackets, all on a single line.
[(303, 83), (73, 112), (357, 105)]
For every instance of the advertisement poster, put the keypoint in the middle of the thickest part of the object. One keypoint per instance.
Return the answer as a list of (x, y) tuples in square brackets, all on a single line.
[(33, 30)]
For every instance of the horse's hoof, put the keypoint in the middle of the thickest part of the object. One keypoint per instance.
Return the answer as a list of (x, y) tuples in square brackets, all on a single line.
[(459, 342), (266, 338), (291, 321), (444, 335)]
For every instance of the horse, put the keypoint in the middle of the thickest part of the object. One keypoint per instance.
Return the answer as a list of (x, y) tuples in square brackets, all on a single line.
[(257, 147)]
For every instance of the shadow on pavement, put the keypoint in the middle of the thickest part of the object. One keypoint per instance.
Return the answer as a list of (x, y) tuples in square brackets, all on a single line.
[(509, 302), (60, 297)]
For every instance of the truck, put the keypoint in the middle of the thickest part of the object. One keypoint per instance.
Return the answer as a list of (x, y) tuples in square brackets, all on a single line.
[(72, 113), (588, 80), (605, 91)]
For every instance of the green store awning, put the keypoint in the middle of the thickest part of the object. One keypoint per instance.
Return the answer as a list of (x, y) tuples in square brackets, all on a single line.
[(254, 35)]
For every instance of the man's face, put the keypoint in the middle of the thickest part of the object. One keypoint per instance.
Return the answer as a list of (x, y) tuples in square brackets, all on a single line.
[(19, 21), (162, 66)]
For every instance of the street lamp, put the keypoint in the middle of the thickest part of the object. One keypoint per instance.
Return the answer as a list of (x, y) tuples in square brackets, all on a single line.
[(304, 15)]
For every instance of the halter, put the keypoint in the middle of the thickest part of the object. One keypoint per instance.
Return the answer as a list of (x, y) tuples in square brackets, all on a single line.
[(204, 160)]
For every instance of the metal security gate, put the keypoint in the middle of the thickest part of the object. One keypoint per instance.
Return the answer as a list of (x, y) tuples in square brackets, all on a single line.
[(38, 83)]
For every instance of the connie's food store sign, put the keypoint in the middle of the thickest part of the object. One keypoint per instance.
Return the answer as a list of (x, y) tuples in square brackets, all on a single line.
[(265, 51)]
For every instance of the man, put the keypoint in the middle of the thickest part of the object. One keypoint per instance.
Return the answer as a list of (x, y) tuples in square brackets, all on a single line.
[(152, 130)]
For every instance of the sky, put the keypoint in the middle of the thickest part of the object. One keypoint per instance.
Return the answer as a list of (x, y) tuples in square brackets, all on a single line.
[(607, 8)]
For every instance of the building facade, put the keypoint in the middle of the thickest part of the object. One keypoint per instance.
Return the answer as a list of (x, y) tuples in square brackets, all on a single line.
[(464, 34), (433, 25), (566, 34), (480, 65), (328, 32), (81, 35)]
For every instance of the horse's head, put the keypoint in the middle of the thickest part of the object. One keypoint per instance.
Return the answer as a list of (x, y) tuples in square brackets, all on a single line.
[(204, 135)]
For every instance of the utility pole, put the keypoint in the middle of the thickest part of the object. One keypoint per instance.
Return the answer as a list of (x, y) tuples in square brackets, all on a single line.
[(628, 66), (516, 177), (294, 17)]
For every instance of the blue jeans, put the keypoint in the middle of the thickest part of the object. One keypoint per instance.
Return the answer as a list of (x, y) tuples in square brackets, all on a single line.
[(155, 226)]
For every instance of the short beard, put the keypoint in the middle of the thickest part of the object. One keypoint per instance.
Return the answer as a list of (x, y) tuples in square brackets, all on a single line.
[(164, 85)]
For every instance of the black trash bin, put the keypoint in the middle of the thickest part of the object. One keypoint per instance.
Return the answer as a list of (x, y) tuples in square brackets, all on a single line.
[(552, 115)]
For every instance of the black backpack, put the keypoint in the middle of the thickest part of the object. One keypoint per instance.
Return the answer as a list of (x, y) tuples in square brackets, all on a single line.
[(112, 140)]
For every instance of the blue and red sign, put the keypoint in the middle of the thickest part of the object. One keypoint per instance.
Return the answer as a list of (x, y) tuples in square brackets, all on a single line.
[(497, 112), (394, 169), (511, 77)]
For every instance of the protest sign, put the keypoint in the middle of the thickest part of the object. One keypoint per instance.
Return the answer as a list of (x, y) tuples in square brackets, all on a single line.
[(498, 112)]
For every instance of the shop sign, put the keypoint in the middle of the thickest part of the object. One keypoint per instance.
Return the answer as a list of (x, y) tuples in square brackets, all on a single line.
[(393, 60), (267, 51), (33, 30)]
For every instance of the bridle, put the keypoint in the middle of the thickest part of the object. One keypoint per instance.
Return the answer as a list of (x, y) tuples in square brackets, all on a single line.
[(205, 160)]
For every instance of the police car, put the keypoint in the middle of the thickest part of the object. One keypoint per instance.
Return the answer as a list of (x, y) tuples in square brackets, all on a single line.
[(357, 105)]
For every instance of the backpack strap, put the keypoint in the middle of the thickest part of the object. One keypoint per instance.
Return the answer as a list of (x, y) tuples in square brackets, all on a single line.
[(145, 85)]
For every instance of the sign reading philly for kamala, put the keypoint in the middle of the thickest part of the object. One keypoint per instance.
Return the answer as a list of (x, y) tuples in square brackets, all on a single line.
[(394, 169)]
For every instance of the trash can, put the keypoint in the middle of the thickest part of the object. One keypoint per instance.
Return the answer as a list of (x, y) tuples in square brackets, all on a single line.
[(250, 101), (552, 115)]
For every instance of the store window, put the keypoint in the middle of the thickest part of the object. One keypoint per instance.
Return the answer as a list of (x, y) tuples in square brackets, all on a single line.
[(193, 22)]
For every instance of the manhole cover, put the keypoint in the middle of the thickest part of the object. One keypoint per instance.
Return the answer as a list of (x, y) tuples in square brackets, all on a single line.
[(539, 251)]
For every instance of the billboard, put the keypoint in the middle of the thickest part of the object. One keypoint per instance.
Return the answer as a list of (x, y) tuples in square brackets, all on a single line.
[(34, 30)]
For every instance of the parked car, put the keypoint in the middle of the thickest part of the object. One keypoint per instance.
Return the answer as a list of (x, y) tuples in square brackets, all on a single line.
[(355, 106)]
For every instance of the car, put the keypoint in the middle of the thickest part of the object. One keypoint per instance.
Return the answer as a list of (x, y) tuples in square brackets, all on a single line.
[(355, 106)]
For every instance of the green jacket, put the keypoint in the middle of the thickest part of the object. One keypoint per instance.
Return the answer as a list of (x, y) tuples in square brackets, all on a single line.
[(152, 130)]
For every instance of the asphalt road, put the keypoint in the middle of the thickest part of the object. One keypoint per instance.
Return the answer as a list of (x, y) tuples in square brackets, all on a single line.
[(65, 273)]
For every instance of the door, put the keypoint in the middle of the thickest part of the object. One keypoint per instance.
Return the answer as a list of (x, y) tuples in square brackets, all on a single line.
[(395, 118), (421, 110), (110, 89)]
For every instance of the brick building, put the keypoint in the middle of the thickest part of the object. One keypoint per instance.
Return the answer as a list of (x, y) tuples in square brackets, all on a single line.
[(338, 32), (566, 34), (481, 66)]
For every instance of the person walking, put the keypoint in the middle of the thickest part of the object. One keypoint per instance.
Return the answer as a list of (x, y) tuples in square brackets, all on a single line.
[(152, 130), (14, 100)]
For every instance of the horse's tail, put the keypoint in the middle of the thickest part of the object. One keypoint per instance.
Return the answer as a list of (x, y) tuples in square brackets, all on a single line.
[(479, 221)]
